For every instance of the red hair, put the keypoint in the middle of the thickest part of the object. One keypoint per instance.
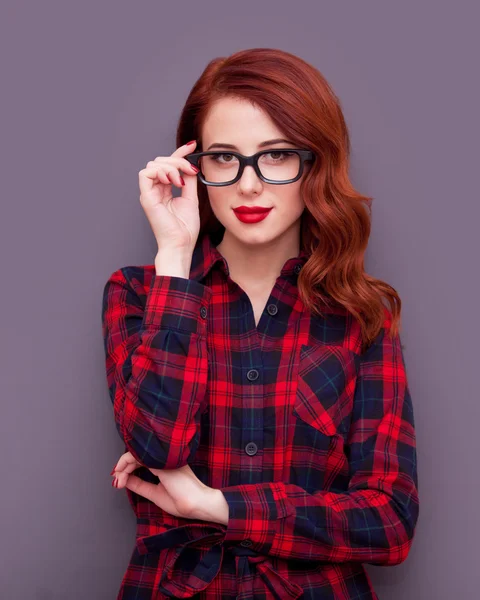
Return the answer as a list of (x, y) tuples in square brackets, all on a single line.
[(336, 223)]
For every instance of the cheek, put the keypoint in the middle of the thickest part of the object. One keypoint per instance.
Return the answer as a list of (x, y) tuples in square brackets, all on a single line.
[(290, 203), (218, 200), (220, 203)]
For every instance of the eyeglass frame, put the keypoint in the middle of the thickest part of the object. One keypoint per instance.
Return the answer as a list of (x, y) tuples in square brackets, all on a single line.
[(251, 160)]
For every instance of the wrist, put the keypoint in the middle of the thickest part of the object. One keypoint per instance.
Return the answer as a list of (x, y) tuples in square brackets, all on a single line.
[(212, 507), (173, 262)]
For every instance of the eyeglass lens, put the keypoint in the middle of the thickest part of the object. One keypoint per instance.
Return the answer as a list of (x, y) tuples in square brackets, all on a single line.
[(221, 168)]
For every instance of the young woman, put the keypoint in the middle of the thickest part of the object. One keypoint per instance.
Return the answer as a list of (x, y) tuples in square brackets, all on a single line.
[(257, 377)]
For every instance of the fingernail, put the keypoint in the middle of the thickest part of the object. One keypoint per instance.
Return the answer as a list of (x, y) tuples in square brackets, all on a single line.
[(189, 143), (116, 482), (113, 470), (194, 168), (113, 482), (181, 179), (168, 177)]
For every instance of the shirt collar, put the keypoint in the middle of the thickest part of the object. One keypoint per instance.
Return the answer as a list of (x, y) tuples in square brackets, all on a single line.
[(206, 256)]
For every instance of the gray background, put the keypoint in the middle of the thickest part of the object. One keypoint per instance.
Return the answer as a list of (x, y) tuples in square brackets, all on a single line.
[(91, 92)]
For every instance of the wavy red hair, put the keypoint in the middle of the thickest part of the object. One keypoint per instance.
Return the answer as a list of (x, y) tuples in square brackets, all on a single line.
[(336, 224)]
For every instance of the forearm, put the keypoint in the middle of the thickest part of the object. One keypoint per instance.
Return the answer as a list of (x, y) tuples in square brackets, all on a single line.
[(363, 525)]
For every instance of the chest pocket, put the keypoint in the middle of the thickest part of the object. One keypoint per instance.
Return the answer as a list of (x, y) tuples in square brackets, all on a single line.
[(324, 397)]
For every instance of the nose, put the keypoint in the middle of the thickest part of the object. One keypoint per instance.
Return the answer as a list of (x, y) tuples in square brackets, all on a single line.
[(249, 182)]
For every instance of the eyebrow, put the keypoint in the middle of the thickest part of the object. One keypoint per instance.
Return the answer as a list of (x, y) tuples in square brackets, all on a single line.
[(262, 145)]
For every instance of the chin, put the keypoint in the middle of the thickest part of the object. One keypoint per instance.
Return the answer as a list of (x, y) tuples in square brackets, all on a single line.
[(254, 238)]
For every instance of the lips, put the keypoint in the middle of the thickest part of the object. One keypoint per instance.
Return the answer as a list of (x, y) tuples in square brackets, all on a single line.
[(251, 214), (250, 210)]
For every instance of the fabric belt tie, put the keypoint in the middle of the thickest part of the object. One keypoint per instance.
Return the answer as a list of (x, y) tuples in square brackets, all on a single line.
[(184, 585)]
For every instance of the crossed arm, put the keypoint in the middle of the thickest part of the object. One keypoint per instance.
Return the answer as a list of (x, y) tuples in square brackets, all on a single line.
[(157, 367)]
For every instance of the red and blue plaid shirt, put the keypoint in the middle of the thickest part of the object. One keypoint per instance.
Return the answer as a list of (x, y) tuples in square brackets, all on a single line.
[(311, 441)]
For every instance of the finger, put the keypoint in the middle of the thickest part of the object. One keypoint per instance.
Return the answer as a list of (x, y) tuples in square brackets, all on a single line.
[(127, 460), (156, 173), (185, 149), (190, 189), (180, 163), (171, 175), (174, 176), (122, 476), (120, 479), (165, 173), (141, 487), (158, 495)]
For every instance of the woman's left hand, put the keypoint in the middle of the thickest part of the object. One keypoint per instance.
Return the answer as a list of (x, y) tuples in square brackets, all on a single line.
[(180, 492)]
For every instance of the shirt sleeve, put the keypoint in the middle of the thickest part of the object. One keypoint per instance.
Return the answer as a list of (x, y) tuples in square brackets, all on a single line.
[(156, 364), (374, 520)]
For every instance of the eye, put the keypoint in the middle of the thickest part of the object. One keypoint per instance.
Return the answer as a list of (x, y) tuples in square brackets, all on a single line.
[(216, 158), (277, 155)]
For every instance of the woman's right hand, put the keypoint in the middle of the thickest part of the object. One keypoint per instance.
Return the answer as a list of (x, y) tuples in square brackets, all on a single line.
[(175, 221)]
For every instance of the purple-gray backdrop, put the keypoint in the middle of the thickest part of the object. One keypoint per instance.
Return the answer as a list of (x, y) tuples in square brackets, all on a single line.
[(91, 92)]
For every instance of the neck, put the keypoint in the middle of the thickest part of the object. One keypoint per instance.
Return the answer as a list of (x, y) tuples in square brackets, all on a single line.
[(258, 264)]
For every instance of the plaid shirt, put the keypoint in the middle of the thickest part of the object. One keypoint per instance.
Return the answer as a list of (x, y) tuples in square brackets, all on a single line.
[(311, 441)]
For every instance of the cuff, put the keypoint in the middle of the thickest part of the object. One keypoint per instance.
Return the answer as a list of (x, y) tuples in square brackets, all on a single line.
[(177, 303), (253, 512)]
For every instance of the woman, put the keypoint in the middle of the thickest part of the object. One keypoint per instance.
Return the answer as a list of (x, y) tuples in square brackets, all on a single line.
[(256, 375)]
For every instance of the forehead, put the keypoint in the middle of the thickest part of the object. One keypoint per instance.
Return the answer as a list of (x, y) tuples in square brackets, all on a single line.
[(233, 120)]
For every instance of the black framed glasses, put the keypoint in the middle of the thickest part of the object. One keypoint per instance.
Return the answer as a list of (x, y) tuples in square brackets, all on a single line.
[(277, 165)]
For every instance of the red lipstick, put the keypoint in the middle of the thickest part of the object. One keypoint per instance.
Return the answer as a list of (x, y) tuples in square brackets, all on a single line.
[(251, 214)]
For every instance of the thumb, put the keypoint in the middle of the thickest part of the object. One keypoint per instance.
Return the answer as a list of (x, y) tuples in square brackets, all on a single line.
[(141, 487)]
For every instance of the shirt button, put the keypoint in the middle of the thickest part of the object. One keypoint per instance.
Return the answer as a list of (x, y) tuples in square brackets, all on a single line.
[(297, 269), (203, 312), (252, 374), (272, 309), (246, 543), (251, 448)]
